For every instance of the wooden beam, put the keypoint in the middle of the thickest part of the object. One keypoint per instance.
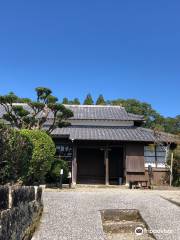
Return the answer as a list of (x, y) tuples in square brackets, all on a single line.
[(106, 160), (155, 150), (74, 165), (171, 168)]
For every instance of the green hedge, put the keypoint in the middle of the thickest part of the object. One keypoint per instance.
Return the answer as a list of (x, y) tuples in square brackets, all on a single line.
[(53, 176), (16, 154), (42, 155)]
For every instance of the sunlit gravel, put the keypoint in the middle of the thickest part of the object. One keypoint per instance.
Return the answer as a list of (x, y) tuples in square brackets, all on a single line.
[(75, 215)]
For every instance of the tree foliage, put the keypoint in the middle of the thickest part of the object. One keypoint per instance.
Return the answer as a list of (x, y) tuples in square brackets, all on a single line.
[(172, 125), (54, 173), (16, 153), (88, 100), (153, 118), (176, 167), (65, 101), (75, 101), (100, 100), (34, 114), (42, 154)]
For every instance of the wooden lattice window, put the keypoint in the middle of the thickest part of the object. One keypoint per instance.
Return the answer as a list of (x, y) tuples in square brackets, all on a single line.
[(155, 156)]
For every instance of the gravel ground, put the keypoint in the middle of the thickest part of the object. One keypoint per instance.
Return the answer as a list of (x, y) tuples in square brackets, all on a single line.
[(75, 215), (171, 196)]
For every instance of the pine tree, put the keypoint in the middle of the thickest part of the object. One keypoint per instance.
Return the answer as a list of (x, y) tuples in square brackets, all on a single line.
[(88, 100), (100, 100), (28, 117), (65, 101)]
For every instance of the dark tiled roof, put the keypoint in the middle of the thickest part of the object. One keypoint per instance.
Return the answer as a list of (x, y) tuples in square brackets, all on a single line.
[(103, 133), (108, 133), (93, 112), (24, 105)]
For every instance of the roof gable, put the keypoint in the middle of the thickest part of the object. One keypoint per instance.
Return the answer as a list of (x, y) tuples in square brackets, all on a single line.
[(92, 112)]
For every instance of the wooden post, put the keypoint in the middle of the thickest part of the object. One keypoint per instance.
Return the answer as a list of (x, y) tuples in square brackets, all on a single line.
[(106, 160), (155, 151), (171, 168), (74, 165)]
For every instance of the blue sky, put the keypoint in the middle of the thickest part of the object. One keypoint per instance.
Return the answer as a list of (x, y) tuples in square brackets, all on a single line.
[(118, 48)]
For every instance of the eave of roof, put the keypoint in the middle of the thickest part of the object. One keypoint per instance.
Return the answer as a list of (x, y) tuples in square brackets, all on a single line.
[(137, 134)]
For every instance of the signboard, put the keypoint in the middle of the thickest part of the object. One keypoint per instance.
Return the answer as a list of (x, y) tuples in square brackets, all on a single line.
[(65, 151)]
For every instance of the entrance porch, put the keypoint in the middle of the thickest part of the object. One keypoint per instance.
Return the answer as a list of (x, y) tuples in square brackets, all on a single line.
[(98, 163)]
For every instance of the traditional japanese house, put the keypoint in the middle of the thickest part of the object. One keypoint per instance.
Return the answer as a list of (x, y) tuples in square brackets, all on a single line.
[(107, 145)]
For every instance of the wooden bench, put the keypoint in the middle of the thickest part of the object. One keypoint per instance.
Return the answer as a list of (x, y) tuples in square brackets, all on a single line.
[(142, 183)]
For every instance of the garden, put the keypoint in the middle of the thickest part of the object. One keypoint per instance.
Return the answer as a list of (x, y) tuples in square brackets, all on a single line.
[(27, 160), (26, 147)]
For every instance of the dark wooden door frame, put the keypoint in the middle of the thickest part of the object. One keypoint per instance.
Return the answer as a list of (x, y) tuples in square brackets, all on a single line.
[(106, 149)]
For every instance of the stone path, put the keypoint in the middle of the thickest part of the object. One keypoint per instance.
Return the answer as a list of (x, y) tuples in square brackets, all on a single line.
[(75, 215)]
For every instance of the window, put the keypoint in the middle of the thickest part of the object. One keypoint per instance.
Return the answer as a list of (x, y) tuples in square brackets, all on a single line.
[(155, 155)]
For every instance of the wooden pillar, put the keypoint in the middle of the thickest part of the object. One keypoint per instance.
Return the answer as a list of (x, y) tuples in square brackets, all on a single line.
[(74, 165), (124, 164), (155, 150), (171, 168), (106, 160)]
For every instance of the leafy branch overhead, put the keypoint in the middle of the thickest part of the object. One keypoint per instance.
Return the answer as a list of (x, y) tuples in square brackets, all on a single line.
[(25, 113)]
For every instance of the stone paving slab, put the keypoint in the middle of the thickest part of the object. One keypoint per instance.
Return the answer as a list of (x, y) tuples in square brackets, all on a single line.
[(75, 215)]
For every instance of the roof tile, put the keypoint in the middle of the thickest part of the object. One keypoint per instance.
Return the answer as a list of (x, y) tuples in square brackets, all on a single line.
[(108, 133)]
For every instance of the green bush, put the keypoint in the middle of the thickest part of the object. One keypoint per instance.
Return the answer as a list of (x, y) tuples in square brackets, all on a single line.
[(176, 167), (16, 153), (42, 156), (53, 175)]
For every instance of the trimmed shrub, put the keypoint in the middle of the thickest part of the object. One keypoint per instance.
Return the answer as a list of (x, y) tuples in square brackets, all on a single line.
[(16, 153), (54, 173), (42, 155)]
